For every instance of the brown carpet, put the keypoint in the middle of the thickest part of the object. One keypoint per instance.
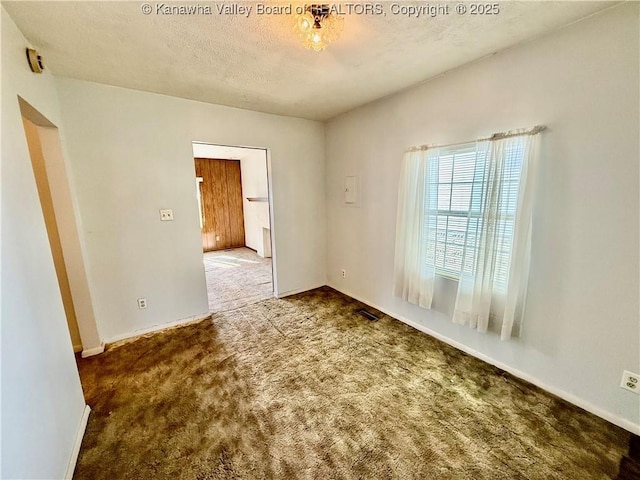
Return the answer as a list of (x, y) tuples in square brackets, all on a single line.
[(236, 277), (304, 388)]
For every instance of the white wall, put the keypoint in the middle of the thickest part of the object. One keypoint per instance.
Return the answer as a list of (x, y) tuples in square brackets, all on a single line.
[(131, 155), (254, 185), (42, 400), (581, 327)]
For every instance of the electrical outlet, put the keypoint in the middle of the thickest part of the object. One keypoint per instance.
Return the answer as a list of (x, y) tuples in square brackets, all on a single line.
[(630, 381), (343, 273), (142, 303), (166, 215)]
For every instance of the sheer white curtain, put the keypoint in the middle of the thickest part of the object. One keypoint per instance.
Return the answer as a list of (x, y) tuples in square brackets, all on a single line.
[(415, 271), (493, 282)]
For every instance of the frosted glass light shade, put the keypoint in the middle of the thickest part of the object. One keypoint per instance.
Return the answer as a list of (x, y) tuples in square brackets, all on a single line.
[(317, 28)]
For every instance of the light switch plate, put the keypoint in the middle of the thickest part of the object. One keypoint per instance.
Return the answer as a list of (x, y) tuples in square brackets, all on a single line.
[(350, 190), (166, 215)]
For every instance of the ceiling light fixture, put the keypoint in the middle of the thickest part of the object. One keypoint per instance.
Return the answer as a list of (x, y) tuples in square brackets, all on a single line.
[(318, 26)]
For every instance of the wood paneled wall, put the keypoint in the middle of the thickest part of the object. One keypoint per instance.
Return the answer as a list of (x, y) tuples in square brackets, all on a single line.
[(221, 203)]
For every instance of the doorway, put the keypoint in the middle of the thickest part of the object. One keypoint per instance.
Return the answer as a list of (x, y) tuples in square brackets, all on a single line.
[(232, 188), (56, 200)]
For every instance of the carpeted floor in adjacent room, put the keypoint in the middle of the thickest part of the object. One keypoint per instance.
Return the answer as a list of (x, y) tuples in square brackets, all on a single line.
[(236, 277), (303, 388)]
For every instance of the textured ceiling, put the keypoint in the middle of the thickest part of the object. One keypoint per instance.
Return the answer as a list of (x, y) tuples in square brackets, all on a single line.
[(257, 62)]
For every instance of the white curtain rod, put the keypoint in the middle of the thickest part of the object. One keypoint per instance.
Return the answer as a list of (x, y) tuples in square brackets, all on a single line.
[(496, 136)]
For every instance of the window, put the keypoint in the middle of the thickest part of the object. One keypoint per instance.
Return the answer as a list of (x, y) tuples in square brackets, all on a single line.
[(457, 183), (465, 212), (199, 181)]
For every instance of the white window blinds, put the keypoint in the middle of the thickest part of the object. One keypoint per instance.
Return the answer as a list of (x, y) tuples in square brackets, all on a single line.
[(464, 212), (453, 214)]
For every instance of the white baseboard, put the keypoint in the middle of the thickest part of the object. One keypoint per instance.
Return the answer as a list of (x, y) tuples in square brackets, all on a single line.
[(90, 352), (300, 290), (162, 326), (71, 466), (569, 397)]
